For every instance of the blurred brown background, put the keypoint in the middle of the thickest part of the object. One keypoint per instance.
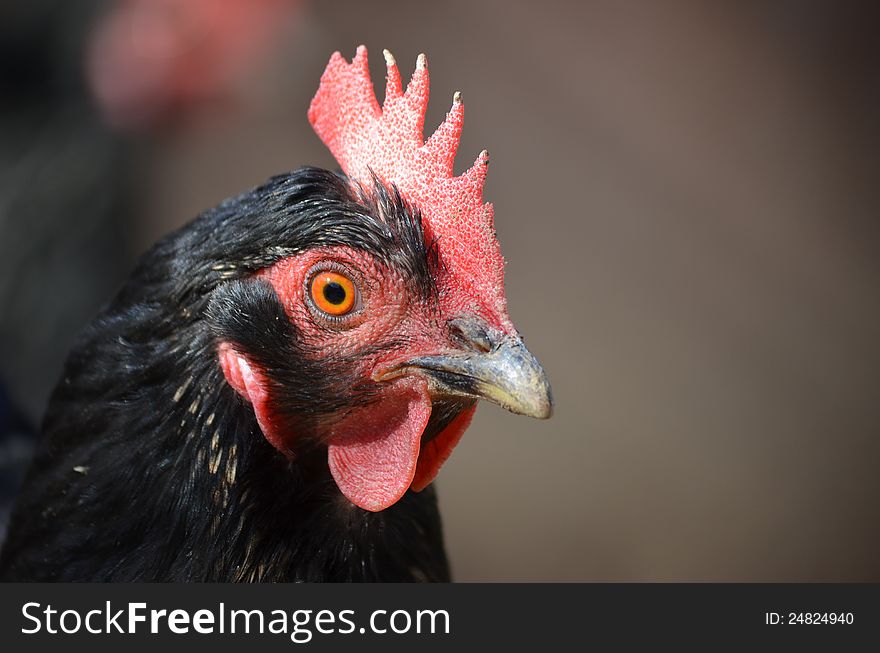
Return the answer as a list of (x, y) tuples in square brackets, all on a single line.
[(686, 194)]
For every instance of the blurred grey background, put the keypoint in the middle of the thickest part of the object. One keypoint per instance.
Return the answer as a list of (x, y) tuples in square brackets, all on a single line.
[(687, 197)]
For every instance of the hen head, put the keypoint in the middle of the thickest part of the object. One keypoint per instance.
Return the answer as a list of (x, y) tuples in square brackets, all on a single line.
[(399, 325)]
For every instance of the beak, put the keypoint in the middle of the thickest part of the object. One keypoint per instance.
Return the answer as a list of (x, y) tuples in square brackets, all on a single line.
[(507, 374)]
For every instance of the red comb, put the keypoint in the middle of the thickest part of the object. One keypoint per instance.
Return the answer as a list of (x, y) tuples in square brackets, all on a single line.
[(389, 141)]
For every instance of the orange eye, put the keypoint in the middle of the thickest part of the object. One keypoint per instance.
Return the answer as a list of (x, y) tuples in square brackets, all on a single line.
[(333, 293)]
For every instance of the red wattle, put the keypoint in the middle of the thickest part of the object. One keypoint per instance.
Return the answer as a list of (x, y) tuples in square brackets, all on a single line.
[(374, 451), (438, 450)]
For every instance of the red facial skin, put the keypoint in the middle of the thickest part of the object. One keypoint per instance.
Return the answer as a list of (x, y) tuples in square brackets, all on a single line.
[(374, 451)]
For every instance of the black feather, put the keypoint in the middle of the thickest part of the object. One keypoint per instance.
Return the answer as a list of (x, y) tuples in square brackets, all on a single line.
[(152, 468)]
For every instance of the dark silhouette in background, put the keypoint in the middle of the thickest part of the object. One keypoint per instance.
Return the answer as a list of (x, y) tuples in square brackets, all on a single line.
[(62, 214)]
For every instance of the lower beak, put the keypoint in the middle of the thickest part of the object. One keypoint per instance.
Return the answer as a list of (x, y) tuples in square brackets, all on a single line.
[(508, 375)]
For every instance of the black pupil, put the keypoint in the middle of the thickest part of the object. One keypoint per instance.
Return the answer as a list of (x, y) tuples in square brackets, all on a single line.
[(334, 293)]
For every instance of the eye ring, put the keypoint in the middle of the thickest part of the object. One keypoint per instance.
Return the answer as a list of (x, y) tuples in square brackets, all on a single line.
[(332, 293)]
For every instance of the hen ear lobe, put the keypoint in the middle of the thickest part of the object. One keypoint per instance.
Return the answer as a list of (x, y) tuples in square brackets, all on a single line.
[(241, 375), (249, 382)]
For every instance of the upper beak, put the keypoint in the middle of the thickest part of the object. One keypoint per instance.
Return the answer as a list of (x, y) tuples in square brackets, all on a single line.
[(507, 374)]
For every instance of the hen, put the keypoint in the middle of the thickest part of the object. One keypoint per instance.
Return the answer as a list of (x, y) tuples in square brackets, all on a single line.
[(271, 394)]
